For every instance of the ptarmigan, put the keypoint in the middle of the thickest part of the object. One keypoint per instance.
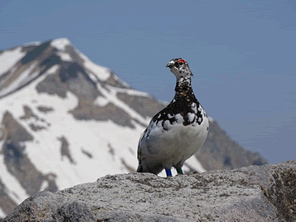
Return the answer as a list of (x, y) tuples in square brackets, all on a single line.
[(176, 132)]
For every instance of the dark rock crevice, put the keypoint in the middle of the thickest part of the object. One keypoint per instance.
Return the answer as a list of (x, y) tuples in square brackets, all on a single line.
[(28, 113), (35, 53), (45, 109), (65, 149), (282, 192)]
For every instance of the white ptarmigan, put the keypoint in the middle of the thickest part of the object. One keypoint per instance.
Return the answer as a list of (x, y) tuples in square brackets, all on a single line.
[(176, 132)]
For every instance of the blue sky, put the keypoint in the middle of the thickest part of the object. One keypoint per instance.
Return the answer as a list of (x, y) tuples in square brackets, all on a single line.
[(242, 54)]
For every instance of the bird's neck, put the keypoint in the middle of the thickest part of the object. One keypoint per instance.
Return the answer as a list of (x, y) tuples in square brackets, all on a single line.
[(183, 87)]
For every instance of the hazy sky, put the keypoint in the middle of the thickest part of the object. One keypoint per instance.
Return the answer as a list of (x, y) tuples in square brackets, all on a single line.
[(242, 54)]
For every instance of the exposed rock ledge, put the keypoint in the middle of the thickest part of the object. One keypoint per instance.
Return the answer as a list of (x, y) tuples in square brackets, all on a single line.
[(265, 193)]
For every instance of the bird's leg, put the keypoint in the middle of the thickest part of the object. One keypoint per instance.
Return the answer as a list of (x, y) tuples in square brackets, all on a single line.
[(179, 170), (168, 172)]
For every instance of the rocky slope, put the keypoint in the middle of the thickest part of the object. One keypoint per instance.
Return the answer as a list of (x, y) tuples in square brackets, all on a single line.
[(65, 120), (266, 193), (221, 152)]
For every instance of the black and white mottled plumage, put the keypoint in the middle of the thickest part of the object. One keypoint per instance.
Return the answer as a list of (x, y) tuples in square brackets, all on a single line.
[(176, 132)]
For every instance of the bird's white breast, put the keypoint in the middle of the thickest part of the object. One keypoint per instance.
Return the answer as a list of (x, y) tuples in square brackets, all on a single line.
[(176, 144)]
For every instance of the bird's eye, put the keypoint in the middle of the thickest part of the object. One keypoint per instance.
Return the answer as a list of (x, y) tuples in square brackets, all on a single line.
[(180, 63)]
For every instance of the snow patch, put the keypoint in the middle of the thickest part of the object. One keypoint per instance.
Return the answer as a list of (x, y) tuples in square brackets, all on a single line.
[(60, 44), (111, 96), (65, 56), (194, 163), (12, 184), (22, 79), (44, 185), (131, 92), (10, 57), (101, 101), (52, 69), (93, 77), (2, 214), (101, 72)]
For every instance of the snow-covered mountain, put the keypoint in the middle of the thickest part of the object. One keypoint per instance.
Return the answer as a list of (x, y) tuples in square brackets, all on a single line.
[(65, 121)]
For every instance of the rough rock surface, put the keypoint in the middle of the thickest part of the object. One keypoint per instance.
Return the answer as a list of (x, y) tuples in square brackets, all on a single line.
[(255, 193)]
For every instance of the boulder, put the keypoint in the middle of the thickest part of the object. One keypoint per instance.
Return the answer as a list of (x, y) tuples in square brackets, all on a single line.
[(254, 193)]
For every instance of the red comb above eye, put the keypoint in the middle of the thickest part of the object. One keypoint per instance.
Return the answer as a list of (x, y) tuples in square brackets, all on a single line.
[(182, 60)]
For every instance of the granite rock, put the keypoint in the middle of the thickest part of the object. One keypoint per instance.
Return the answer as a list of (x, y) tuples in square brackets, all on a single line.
[(254, 193)]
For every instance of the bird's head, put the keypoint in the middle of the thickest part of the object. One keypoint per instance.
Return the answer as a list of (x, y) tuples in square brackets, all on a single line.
[(180, 68)]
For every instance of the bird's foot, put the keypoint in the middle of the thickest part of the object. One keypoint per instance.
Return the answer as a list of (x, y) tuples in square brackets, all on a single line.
[(168, 172), (180, 171)]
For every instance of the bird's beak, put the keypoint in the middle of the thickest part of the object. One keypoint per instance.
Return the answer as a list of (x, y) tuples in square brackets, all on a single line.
[(170, 64)]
